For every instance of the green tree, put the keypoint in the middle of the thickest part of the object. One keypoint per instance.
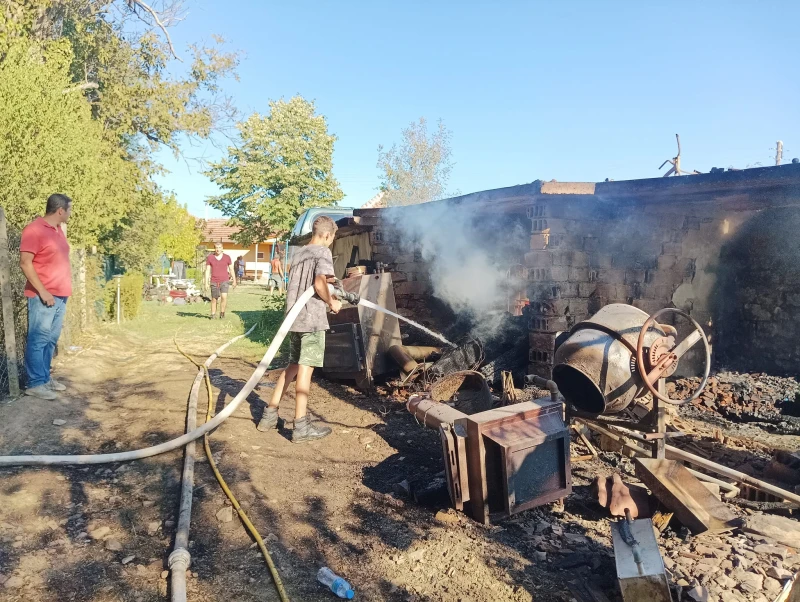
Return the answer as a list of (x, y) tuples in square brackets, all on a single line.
[(50, 143), (282, 166), (418, 170), (180, 231), (89, 89)]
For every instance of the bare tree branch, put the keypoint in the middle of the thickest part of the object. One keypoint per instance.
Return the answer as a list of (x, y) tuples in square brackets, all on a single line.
[(146, 7)]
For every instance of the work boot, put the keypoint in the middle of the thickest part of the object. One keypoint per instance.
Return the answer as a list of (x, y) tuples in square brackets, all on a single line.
[(305, 430), (221, 314), (42, 392), (269, 419), (54, 385)]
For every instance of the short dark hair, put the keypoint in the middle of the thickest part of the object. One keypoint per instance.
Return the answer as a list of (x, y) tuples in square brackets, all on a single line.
[(56, 202), (324, 225)]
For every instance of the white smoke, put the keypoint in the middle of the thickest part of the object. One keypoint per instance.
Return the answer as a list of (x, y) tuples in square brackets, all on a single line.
[(470, 257)]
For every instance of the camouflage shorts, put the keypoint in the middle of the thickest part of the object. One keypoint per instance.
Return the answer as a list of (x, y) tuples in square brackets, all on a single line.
[(307, 348)]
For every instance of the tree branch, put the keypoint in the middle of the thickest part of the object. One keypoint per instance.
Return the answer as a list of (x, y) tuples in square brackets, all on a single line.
[(154, 14), (84, 86)]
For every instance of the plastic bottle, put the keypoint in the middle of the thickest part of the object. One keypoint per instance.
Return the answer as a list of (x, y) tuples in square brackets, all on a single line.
[(338, 586)]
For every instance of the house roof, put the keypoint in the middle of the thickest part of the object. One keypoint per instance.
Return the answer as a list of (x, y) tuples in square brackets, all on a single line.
[(218, 230)]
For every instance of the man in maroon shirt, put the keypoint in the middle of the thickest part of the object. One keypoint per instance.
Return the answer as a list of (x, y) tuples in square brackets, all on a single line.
[(219, 275), (44, 259)]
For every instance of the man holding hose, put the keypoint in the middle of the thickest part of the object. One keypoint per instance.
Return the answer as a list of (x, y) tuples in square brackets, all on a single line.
[(312, 266)]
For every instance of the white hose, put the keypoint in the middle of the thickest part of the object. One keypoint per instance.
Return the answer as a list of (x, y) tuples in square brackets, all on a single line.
[(180, 559), (161, 448)]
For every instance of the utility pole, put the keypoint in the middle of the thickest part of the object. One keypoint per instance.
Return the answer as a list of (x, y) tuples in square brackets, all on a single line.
[(778, 152)]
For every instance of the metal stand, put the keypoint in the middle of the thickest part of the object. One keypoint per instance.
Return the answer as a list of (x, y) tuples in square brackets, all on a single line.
[(653, 425)]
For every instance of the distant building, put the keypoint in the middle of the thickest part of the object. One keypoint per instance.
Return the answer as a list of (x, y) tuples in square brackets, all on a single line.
[(256, 256)]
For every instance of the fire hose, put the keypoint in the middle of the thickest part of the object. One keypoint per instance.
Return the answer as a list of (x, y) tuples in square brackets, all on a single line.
[(146, 452), (180, 558)]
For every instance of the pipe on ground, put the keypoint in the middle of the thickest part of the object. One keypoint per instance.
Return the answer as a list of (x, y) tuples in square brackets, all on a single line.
[(432, 413), (403, 358), (180, 559), (272, 350), (543, 383)]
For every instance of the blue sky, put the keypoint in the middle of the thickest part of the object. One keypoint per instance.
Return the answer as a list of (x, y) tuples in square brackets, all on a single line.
[(572, 91)]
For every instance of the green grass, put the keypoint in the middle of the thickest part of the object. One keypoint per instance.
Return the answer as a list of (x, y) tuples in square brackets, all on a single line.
[(197, 334)]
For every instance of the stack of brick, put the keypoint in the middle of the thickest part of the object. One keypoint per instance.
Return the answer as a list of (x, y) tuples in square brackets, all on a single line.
[(410, 272), (585, 255)]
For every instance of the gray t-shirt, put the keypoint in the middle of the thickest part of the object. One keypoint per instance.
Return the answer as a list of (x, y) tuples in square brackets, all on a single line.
[(308, 262)]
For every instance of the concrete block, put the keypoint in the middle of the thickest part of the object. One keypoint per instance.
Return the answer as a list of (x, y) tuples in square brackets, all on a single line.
[(690, 222), (548, 324), (671, 277), (539, 224), (579, 274), (560, 307), (586, 289), (633, 275), (539, 241), (666, 262), (399, 277), (536, 259), (671, 248), (411, 288), (590, 244), (600, 260), (579, 259), (539, 369), (611, 276), (542, 341), (559, 273), (536, 210), (539, 356), (649, 306), (539, 274)]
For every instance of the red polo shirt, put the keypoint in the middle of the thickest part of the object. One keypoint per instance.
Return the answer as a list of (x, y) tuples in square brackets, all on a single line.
[(50, 257)]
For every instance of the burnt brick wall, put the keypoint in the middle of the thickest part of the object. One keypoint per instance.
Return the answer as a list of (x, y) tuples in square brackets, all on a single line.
[(736, 272)]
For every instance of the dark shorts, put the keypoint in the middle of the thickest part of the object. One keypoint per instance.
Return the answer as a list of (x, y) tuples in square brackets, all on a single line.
[(219, 288), (307, 348)]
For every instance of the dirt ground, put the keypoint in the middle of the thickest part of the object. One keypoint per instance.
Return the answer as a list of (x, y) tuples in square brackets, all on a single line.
[(329, 503)]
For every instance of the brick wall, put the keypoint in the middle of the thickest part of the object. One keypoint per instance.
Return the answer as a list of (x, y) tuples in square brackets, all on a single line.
[(731, 271)]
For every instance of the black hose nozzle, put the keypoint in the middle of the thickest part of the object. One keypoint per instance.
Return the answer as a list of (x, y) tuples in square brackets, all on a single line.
[(343, 295)]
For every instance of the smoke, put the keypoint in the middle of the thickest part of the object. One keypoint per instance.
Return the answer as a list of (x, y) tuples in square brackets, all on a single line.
[(471, 258)]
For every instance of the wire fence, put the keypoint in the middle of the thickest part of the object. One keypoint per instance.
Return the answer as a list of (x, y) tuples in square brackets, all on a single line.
[(12, 350), (86, 306)]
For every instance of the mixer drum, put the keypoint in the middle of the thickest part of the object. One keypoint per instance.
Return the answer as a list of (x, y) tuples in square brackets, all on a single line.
[(594, 370)]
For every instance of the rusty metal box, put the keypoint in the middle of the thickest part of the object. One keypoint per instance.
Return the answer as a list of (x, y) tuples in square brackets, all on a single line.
[(518, 458)]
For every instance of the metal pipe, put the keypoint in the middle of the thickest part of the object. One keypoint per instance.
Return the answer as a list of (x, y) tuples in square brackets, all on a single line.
[(432, 413), (679, 454), (543, 383), (161, 448), (420, 353), (403, 359), (180, 559), (740, 477)]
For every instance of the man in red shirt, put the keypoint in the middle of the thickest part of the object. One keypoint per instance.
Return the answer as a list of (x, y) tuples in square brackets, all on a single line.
[(44, 259), (219, 275)]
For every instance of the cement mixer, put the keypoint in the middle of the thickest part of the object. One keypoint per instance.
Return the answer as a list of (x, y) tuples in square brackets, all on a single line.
[(620, 354)]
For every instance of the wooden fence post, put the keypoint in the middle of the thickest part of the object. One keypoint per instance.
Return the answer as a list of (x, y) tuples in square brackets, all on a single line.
[(9, 335)]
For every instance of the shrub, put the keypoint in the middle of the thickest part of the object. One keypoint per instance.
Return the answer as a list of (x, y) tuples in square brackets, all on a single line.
[(130, 294)]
